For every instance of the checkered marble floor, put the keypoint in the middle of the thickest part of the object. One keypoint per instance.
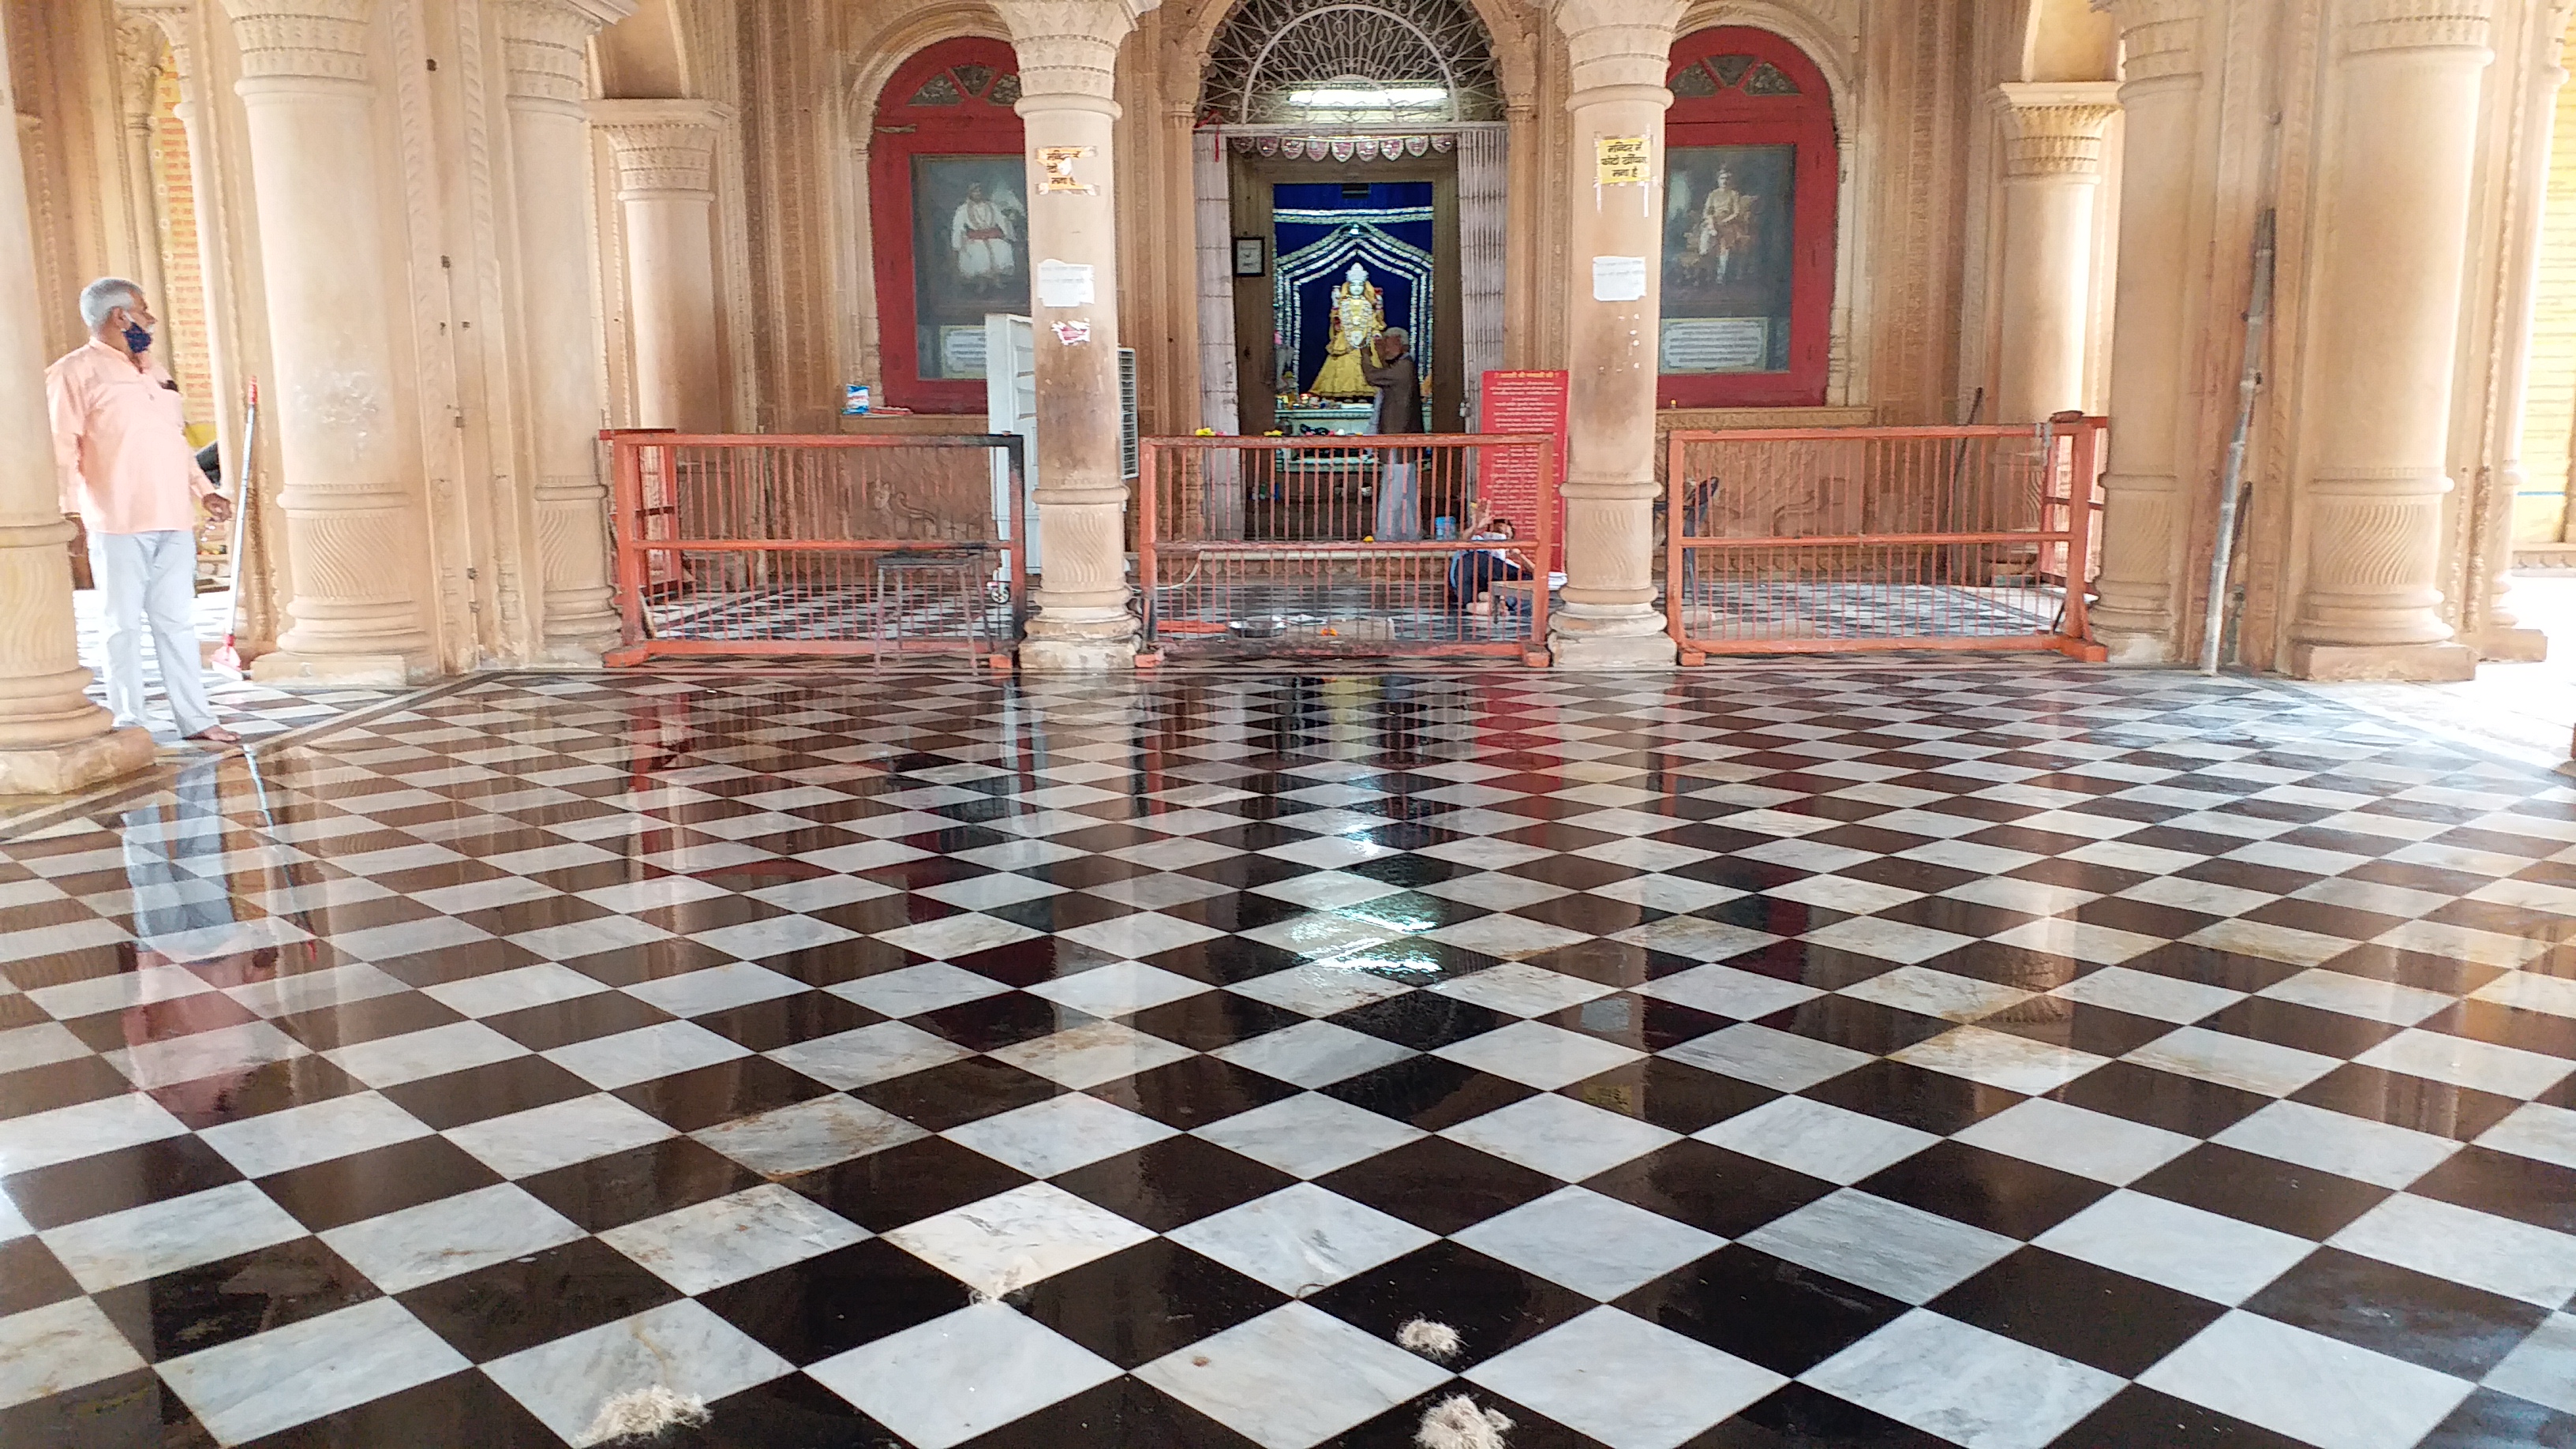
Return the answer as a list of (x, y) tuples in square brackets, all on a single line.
[(252, 710), (2010, 1057)]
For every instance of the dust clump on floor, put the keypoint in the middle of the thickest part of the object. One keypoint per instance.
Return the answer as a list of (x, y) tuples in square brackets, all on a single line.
[(1429, 1339), (646, 1414), (1456, 1423)]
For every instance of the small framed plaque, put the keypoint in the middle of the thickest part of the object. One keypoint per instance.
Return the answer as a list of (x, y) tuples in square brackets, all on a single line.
[(1252, 256)]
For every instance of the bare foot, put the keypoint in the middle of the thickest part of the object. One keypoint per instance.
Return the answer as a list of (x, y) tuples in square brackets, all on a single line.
[(216, 735)]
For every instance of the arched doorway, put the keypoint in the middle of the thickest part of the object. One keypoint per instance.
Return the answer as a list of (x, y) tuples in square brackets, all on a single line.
[(950, 218), (1749, 210), (1337, 134)]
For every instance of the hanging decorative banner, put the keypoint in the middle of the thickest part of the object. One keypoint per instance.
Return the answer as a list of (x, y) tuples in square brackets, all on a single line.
[(1057, 161), (1344, 148), (1416, 145), (1624, 160)]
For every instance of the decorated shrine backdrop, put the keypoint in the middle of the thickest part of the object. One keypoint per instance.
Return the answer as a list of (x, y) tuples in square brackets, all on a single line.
[(1319, 233)]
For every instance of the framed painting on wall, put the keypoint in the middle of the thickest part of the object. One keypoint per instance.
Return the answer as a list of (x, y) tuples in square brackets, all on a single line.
[(949, 216)]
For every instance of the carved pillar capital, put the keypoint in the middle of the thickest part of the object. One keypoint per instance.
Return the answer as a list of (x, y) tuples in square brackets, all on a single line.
[(1618, 44), (301, 40), (2373, 26), (543, 43), (1068, 49), (139, 43), (2057, 127), (2159, 39), (662, 146), (173, 17)]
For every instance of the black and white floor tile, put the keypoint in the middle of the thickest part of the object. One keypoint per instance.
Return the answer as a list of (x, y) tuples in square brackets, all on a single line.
[(1995, 1057)]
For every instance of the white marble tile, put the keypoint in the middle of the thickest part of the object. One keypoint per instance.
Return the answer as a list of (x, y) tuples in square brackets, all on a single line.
[(961, 935), (42, 1139), (2542, 1368), (775, 936), (1624, 1381), (1118, 989), (2497, 1254), (946, 1381), (393, 1060), (1326, 890), (558, 1134), (916, 989), (710, 1244), (1777, 1059), (1694, 938), (2334, 1142), (164, 1237), (39, 1045), (1059, 1134), (2141, 994), (1506, 937), (590, 938), (1320, 988), (525, 986), (622, 1060), (2272, 943), (1144, 934), (1090, 1053), (1154, 892), (1301, 1238), (1595, 1245), (317, 990), (1559, 1136), (681, 1346), (275, 1380), (1292, 1378), (717, 988), (64, 1345), (2358, 996), (2233, 1061), (2000, 1059), (2320, 1390), (1906, 1253), (317, 1132), (224, 1051), (2544, 1133), (869, 1054), (2071, 1139), (1973, 1388), (2466, 1063), (1543, 1056), (1521, 989), (1743, 995), (1934, 993), (1313, 1053), (1665, 892), (2202, 1253), (1013, 1239), (806, 1135), (409, 938), (402, 1250), (1309, 1134), (1817, 1138), (1494, 890), (1320, 936)]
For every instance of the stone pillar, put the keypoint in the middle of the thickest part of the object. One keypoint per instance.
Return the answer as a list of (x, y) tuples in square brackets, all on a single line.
[(2386, 300), (138, 94), (666, 187), (2488, 625), (2053, 170), (1621, 50), (2137, 616), (1068, 52), (354, 514), (52, 739), (558, 331)]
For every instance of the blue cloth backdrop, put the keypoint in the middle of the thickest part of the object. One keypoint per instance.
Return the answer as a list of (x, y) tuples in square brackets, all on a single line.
[(1320, 232)]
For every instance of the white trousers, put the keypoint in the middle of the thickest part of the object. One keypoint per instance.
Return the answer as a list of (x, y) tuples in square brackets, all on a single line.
[(151, 578)]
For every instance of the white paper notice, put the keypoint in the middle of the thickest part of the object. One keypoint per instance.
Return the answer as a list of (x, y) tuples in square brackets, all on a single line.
[(1065, 284), (1618, 279)]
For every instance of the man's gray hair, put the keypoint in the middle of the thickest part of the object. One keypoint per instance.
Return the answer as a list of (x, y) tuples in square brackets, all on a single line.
[(104, 296), (1398, 333)]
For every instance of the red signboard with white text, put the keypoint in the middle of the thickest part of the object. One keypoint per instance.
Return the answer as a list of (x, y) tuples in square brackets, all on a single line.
[(1521, 401)]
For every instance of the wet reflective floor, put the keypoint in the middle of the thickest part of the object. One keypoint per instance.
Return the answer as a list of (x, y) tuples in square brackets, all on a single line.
[(2014, 1056)]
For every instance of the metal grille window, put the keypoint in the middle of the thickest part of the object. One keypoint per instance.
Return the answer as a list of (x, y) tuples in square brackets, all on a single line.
[(1364, 63)]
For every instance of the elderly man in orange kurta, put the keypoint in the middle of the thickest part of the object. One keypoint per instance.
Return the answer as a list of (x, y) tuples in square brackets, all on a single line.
[(121, 444)]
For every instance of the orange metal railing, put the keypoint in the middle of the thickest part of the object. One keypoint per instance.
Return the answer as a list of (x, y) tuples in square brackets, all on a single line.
[(738, 544), (1339, 545), (1826, 540)]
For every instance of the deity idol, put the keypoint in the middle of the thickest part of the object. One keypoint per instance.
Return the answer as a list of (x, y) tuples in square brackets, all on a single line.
[(982, 237), (1359, 315)]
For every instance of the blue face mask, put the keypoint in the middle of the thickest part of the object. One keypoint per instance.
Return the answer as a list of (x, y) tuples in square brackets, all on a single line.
[(138, 340)]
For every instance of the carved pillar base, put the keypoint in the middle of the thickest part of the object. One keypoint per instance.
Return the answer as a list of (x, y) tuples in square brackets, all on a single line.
[(1062, 647), (65, 769), (1623, 641), (2509, 643), (290, 669), (2425, 662)]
